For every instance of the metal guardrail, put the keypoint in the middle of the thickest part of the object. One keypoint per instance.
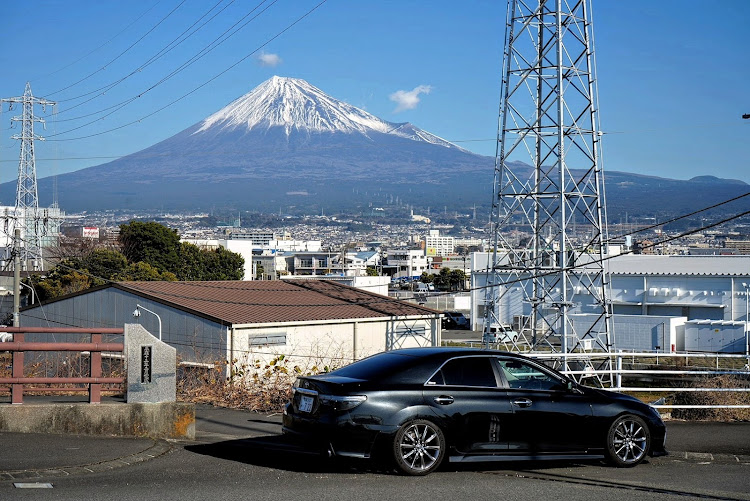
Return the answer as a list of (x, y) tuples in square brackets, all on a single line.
[(617, 372), (94, 348)]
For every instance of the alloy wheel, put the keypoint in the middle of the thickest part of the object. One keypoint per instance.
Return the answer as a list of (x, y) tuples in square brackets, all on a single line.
[(419, 447), (628, 441)]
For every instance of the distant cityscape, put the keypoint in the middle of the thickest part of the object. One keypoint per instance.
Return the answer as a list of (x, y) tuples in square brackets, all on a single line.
[(461, 233)]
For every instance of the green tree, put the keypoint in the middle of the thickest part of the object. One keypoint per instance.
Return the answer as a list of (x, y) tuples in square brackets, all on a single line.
[(192, 262), (372, 271), (151, 252), (222, 264), (144, 272), (449, 279), (457, 280), (152, 243), (65, 278), (427, 278), (105, 264), (442, 279)]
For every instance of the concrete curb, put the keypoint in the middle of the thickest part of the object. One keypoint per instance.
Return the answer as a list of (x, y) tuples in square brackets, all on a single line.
[(707, 457), (159, 448)]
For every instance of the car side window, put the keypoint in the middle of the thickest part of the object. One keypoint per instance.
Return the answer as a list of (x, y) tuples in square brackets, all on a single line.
[(524, 376), (467, 371)]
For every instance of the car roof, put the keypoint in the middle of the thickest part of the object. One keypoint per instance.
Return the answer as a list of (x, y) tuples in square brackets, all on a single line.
[(410, 365), (446, 352)]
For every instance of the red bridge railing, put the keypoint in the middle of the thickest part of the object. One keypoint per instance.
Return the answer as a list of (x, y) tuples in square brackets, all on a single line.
[(95, 347)]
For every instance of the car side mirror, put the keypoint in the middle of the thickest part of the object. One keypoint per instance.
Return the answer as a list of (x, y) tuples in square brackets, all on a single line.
[(573, 387)]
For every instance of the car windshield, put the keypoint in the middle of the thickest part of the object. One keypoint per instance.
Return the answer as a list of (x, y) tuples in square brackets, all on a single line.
[(387, 367)]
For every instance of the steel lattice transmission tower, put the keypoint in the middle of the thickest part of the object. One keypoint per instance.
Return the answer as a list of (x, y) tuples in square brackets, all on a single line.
[(547, 265), (27, 200)]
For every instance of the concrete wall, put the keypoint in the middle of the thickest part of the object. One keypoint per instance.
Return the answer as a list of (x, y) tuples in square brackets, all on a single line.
[(161, 420)]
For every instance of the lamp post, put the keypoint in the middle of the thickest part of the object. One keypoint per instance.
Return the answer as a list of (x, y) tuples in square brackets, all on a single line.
[(137, 313), (30, 288)]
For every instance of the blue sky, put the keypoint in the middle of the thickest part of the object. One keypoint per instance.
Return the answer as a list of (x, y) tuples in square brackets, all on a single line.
[(674, 76)]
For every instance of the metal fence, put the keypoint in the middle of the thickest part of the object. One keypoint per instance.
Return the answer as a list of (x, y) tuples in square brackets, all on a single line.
[(626, 367), (92, 349), (695, 366)]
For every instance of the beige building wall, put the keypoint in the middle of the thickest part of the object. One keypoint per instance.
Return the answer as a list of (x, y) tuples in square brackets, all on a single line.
[(310, 348)]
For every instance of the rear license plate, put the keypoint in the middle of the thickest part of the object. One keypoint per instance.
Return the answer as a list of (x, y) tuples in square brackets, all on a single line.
[(305, 404)]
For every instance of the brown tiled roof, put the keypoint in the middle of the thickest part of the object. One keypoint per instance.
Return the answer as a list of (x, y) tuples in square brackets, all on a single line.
[(248, 302)]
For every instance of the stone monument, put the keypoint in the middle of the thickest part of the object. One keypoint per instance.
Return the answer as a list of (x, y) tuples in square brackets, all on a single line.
[(151, 367)]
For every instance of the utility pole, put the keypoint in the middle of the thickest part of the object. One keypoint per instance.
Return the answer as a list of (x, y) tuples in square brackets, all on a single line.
[(548, 119), (16, 279), (27, 200)]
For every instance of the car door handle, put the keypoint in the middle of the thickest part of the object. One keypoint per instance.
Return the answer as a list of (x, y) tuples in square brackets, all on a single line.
[(522, 402), (443, 400)]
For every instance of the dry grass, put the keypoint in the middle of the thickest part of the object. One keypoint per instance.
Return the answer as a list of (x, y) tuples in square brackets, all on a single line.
[(262, 386), (714, 398), (211, 386)]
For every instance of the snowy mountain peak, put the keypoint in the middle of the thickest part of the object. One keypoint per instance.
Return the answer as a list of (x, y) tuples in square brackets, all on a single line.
[(295, 105)]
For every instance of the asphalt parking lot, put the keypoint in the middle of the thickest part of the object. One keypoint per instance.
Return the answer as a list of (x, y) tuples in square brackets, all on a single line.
[(239, 454)]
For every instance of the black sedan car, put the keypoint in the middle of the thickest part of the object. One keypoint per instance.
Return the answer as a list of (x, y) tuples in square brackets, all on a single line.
[(418, 406)]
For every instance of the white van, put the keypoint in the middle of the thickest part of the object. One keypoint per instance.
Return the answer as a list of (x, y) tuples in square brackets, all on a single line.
[(501, 333)]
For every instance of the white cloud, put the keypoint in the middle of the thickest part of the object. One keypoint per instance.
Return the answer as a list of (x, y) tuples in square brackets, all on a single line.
[(271, 60), (409, 99)]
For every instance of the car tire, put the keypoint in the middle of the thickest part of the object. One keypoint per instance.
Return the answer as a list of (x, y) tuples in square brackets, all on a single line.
[(418, 447), (628, 441)]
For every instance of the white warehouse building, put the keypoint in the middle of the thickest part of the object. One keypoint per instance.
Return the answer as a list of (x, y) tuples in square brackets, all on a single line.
[(690, 288)]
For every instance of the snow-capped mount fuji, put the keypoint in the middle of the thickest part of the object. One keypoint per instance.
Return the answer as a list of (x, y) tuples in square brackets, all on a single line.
[(284, 143), (296, 106), (287, 143)]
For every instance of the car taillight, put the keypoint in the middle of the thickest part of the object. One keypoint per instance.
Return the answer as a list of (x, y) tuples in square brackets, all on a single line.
[(341, 403)]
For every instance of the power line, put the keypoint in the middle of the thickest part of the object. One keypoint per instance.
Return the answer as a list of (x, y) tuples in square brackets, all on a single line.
[(195, 58), (104, 67), (684, 216), (175, 101), (162, 52), (100, 46)]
